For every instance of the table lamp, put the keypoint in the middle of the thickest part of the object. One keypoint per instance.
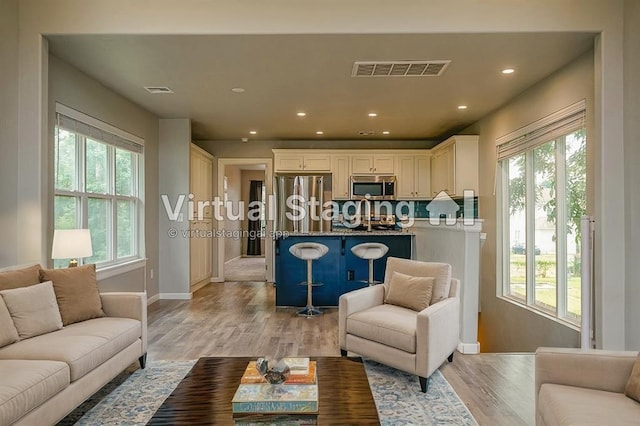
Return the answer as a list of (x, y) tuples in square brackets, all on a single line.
[(71, 244)]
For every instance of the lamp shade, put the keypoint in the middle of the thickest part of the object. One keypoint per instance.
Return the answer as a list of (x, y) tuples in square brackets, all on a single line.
[(71, 244)]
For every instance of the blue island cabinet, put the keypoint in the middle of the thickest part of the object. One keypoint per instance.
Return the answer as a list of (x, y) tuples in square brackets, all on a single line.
[(339, 271)]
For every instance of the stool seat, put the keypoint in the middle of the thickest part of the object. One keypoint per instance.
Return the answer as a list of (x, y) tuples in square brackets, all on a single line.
[(309, 252), (306, 251), (370, 252)]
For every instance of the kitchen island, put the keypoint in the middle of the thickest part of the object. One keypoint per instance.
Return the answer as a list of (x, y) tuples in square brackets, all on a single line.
[(340, 271)]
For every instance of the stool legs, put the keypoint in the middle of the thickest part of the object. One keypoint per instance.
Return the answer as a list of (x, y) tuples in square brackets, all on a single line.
[(371, 281), (309, 310)]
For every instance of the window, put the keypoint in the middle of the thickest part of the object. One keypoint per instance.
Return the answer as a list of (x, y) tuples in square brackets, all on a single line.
[(542, 198), (97, 185)]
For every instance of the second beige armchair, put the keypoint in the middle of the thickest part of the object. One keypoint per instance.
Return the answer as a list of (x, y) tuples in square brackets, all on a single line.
[(417, 342)]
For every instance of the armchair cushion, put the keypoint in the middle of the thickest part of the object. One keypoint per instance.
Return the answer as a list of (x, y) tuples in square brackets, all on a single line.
[(440, 271), (632, 390), (389, 325), (410, 292)]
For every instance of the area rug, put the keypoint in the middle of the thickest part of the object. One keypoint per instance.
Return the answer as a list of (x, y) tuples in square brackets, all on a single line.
[(133, 397)]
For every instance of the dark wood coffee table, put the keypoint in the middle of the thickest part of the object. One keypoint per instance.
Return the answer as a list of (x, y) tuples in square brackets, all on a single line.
[(204, 395)]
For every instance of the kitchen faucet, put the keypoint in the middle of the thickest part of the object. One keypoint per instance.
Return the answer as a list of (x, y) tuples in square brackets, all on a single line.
[(367, 210)]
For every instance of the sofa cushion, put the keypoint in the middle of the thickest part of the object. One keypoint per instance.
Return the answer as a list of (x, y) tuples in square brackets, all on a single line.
[(20, 277), (27, 384), (410, 292), (33, 309), (632, 390), (76, 292), (387, 324), (8, 332), (568, 405), (83, 346)]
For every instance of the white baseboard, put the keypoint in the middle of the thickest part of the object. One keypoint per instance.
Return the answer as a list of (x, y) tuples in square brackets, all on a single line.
[(153, 299), (199, 285), (217, 280), (469, 348), (176, 296)]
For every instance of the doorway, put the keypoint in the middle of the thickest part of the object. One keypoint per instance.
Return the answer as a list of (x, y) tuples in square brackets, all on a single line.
[(244, 247)]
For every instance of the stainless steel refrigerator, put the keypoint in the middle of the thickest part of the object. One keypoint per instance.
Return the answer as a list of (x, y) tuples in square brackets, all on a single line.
[(299, 200)]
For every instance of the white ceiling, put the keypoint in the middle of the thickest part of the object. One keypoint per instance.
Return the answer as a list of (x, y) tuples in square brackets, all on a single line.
[(284, 74)]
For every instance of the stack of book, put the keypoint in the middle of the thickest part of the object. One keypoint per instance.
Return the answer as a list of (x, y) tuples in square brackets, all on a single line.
[(298, 394)]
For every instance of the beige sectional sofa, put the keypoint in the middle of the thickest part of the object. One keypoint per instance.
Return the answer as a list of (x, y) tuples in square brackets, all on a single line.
[(576, 387), (43, 378)]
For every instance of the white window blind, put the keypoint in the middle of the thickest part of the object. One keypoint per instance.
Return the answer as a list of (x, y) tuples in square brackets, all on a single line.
[(74, 121), (557, 124)]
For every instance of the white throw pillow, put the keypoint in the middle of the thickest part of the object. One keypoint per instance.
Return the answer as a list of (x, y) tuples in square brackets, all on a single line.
[(8, 332), (33, 309)]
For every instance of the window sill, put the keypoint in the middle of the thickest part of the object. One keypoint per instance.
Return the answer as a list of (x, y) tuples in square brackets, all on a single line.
[(540, 312), (109, 271)]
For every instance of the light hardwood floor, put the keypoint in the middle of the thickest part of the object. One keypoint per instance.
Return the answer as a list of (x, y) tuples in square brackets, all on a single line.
[(240, 319)]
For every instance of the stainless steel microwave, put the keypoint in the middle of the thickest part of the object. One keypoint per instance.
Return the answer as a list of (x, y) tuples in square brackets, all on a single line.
[(378, 187)]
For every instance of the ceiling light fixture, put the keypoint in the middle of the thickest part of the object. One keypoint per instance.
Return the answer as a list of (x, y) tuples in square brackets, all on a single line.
[(462, 107), (508, 71), (253, 132), (319, 132), (301, 114), (158, 89), (237, 90), (373, 114), (386, 132)]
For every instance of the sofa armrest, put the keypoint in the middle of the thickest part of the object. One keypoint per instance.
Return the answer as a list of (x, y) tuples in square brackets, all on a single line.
[(355, 301), (437, 334), (593, 369), (127, 305)]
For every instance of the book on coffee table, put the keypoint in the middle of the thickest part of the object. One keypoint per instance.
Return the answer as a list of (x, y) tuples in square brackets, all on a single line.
[(252, 375), (266, 398)]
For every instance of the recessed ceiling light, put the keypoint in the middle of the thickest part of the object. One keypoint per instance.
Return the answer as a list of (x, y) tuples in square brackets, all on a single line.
[(237, 90), (158, 89), (386, 132), (301, 114), (508, 71), (462, 107), (253, 132), (319, 132), (372, 114)]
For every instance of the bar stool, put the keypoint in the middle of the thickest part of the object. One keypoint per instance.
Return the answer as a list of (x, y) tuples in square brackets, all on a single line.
[(371, 252), (309, 252)]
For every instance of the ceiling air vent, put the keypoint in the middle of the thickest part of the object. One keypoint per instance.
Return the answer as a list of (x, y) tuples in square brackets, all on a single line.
[(399, 68), (158, 89)]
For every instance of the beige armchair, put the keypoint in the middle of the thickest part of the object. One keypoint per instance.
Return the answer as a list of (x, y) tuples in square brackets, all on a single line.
[(411, 341), (579, 387)]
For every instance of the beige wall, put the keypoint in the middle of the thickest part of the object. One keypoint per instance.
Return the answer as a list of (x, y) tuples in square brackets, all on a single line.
[(232, 246), (246, 177), (8, 132), (257, 148), (68, 86), (506, 327), (632, 168)]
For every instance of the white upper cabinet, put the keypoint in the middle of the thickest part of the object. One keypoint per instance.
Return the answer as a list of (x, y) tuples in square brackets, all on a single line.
[(299, 161), (413, 173), (454, 165), (340, 173), (377, 163)]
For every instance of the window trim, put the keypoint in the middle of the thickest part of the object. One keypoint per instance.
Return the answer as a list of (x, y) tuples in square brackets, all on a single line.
[(116, 139), (555, 127)]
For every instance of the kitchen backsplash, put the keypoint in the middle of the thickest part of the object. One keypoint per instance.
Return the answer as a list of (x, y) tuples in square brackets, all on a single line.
[(423, 208)]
